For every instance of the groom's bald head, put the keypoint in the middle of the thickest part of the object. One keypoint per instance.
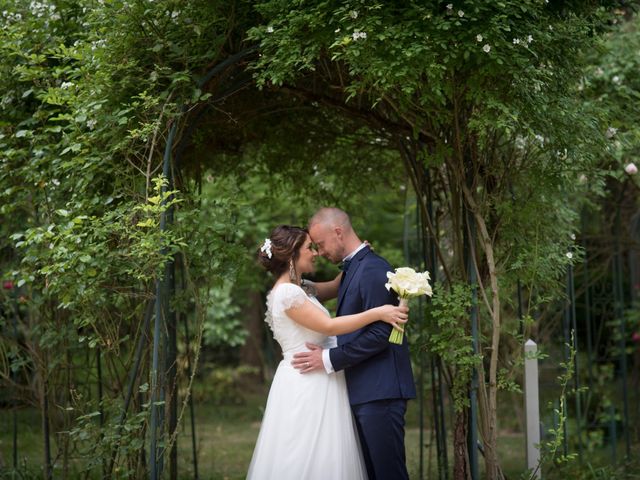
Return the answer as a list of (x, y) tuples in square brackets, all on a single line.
[(331, 217), (330, 228)]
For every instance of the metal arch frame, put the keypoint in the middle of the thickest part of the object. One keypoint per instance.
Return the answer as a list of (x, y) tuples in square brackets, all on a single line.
[(165, 287)]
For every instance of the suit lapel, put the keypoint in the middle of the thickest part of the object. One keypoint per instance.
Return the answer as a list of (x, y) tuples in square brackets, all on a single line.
[(351, 273)]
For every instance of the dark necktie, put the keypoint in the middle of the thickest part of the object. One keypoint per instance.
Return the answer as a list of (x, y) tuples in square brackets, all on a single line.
[(344, 266)]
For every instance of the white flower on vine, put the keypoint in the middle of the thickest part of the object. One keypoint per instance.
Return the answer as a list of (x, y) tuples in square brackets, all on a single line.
[(569, 255), (356, 35), (66, 85), (516, 41), (529, 38), (460, 13), (611, 132), (269, 29), (486, 48), (353, 14), (616, 80), (91, 124), (479, 38), (450, 6), (13, 17), (631, 169)]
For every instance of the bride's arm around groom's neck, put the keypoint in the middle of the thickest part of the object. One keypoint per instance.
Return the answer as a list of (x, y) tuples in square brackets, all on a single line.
[(324, 291)]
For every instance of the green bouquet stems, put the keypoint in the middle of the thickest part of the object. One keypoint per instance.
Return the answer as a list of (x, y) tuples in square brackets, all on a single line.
[(396, 336)]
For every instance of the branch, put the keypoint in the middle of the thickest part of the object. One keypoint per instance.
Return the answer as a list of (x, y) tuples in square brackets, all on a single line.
[(369, 116), (412, 169)]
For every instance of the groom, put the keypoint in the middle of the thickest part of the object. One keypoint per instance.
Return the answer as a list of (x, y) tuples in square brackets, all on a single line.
[(378, 373)]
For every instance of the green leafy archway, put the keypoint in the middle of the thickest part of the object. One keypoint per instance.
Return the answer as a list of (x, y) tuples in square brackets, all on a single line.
[(475, 104)]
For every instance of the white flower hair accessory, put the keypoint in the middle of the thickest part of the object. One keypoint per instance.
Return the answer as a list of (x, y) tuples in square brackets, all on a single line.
[(266, 247)]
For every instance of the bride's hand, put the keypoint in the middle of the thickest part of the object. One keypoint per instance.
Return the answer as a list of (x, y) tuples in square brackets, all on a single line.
[(394, 316)]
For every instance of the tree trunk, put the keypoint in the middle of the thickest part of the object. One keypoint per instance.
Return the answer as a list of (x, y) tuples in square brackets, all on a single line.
[(45, 427), (492, 302), (251, 352), (461, 470)]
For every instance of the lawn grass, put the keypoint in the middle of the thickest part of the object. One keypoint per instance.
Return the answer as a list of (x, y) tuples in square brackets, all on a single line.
[(226, 435)]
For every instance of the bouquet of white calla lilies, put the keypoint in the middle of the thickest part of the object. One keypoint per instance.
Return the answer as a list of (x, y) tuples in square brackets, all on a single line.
[(407, 283)]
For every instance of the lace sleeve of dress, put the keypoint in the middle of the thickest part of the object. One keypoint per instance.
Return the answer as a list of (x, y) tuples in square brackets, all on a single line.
[(291, 296), (268, 316)]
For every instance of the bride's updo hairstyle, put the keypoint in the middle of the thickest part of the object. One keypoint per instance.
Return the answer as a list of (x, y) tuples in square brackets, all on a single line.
[(285, 243)]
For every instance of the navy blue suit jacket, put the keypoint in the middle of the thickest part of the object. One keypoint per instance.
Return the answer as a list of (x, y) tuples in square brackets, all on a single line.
[(374, 368)]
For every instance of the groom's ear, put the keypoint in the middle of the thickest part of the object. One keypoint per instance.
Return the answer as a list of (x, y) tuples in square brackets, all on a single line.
[(338, 230)]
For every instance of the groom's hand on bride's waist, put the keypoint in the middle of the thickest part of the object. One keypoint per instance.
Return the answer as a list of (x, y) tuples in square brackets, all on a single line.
[(309, 361)]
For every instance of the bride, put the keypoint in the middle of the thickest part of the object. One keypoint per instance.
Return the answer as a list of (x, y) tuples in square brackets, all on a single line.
[(307, 431)]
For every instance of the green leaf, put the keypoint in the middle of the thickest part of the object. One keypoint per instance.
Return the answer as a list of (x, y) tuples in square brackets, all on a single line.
[(147, 223)]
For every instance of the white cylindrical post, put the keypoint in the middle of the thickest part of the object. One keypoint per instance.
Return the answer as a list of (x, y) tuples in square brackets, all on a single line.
[(532, 407)]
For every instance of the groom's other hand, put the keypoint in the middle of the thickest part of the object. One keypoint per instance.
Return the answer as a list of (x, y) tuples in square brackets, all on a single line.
[(308, 361)]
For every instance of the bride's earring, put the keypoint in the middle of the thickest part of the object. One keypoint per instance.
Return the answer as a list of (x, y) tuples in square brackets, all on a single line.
[(292, 272)]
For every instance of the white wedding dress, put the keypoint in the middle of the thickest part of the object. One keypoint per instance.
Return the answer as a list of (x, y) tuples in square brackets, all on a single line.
[(308, 431)]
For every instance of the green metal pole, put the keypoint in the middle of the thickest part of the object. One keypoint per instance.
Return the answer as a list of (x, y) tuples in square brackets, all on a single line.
[(587, 316), (100, 406), (472, 436), (576, 375), (48, 470), (623, 334), (421, 353), (443, 460), (520, 309), (16, 314), (172, 371), (613, 434), (566, 328), (161, 290), (14, 376)]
